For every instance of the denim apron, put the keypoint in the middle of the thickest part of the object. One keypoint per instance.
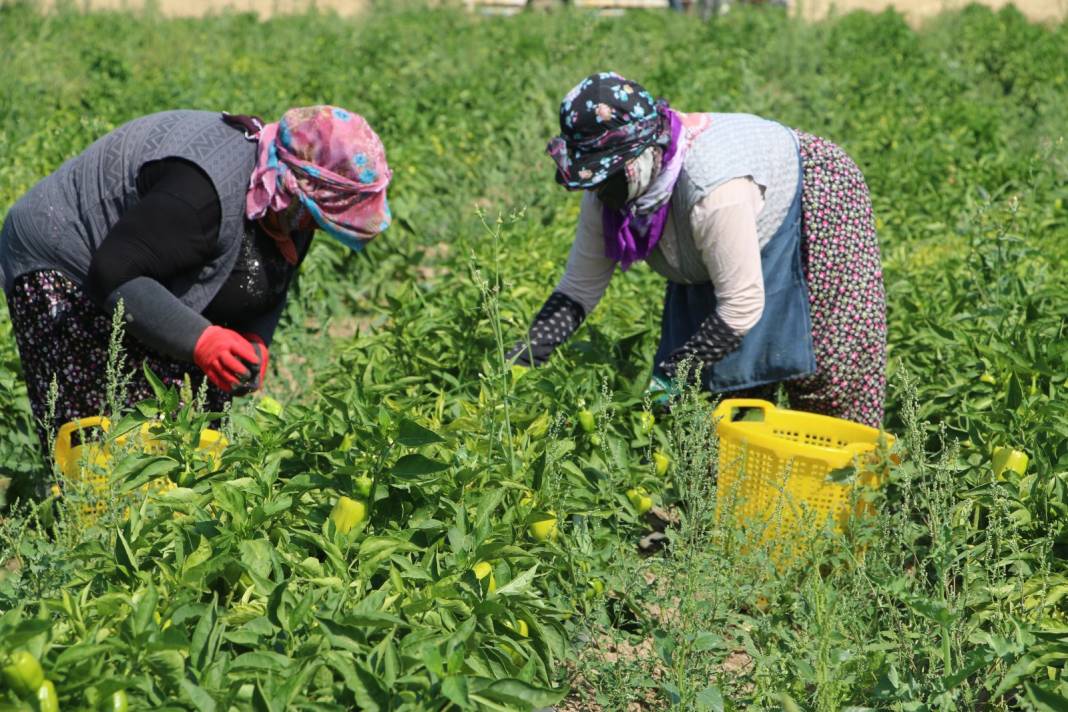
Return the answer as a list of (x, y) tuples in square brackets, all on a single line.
[(779, 347)]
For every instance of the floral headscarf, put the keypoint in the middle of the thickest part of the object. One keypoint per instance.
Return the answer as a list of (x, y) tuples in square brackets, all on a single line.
[(608, 124), (331, 162), (632, 233), (605, 121)]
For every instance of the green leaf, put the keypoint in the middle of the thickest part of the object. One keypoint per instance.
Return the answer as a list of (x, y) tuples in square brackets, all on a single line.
[(124, 556), (710, 699), (261, 661), (370, 692), (1014, 398), (519, 693), (412, 434), (179, 498), (375, 619), (376, 549), (199, 556), (247, 424), (1045, 700), (26, 631), (256, 555), (261, 701), (455, 690), (788, 703), (77, 653), (345, 637), (135, 470), (201, 700), (521, 585), (274, 606), (144, 609), (229, 499), (159, 389), (706, 641), (415, 465), (200, 645), (169, 665)]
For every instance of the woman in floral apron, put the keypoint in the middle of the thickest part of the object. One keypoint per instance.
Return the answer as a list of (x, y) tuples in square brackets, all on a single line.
[(764, 233)]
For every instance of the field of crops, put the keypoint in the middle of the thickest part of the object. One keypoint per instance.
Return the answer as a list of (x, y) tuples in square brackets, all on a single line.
[(237, 590)]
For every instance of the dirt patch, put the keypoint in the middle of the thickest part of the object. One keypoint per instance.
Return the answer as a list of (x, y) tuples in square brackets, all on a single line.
[(634, 657)]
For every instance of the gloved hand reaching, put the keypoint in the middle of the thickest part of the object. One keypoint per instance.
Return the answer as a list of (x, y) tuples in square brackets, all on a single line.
[(713, 340), (227, 357), (254, 381), (555, 323)]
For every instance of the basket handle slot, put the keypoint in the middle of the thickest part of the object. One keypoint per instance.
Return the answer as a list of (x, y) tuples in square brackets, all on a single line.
[(73, 434), (743, 409)]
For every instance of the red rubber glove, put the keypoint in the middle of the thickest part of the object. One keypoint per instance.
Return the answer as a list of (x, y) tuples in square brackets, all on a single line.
[(254, 381), (225, 356)]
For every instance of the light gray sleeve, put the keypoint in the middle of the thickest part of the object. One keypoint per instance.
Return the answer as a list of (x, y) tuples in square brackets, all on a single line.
[(158, 318), (588, 271), (724, 225)]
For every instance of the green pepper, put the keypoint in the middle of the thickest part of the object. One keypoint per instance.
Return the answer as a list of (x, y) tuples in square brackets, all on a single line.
[(646, 421), (640, 499), (47, 699), (347, 513), (1006, 458), (270, 405), (363, 485), (118, 702), (661, 463), (23, 673)]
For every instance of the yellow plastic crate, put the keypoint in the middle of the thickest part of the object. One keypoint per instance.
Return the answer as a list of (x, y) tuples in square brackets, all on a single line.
[(774, 471), (89, 460)]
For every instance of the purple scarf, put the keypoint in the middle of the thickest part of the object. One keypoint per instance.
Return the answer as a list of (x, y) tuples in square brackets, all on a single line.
[(631, 234)]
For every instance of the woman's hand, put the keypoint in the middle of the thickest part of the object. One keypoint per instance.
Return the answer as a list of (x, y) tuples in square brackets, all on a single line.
[(555, 323), (712, 341), (254, 381), (226, 357)]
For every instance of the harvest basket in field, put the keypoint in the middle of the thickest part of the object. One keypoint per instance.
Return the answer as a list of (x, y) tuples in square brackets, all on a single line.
[(785, 475), (83, 457)]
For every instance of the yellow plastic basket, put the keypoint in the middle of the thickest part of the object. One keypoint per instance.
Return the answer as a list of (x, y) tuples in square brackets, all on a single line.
[(88, 460), (774, 471)]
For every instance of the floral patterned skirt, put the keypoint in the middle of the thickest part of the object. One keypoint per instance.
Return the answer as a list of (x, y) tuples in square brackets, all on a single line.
[(62, 335), (847, 299)]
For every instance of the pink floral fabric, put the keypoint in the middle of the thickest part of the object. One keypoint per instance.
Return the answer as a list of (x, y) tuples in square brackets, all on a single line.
[(333, 163)]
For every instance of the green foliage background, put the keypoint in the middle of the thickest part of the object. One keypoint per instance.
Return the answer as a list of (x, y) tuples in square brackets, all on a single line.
[(958, 128)]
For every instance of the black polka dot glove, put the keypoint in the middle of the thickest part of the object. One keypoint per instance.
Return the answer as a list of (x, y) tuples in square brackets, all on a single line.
[(555, 323), (711, 342)]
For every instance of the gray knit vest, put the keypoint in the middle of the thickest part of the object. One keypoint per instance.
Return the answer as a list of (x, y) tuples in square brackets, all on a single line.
[(62, 220), (734, 146)]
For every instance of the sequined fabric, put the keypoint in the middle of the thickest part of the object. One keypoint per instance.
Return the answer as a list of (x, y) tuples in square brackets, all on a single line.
[(259, 280)]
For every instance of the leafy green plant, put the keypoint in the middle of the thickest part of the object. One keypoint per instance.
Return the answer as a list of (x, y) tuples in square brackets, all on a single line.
[(234, 588)]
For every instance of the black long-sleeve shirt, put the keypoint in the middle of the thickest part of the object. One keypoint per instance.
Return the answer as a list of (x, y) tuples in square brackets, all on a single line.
[(174, 230)]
